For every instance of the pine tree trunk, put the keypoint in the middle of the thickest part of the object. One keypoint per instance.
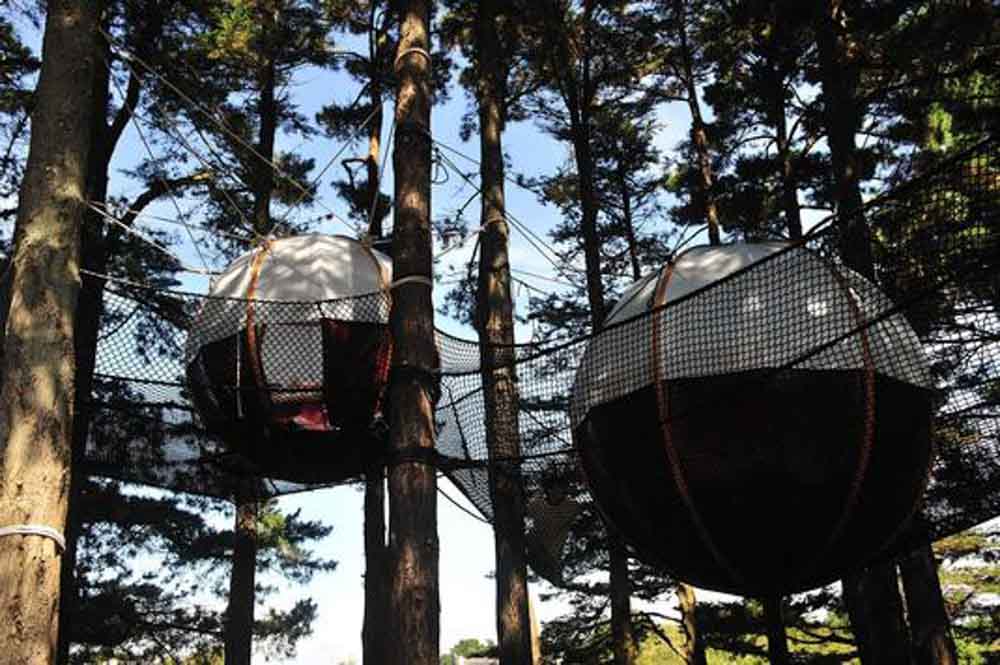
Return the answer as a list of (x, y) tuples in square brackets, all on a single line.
[(929, 626), (37, 395), (840, 75), (872, 596), (376, 566), (626, 649), (414, 625), (267, 116), (372, 630), (629, 226), (239, 615), (777, 641), (699, 135), (777, 110), (88, 322), (876, 612), (374, 127), (694, 645), (495, 320)]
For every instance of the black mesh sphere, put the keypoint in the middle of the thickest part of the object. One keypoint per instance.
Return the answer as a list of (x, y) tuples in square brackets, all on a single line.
[(755, 436), (288, 359)]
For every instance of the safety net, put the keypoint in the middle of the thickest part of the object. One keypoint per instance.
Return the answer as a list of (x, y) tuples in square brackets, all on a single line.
[(835, 386)]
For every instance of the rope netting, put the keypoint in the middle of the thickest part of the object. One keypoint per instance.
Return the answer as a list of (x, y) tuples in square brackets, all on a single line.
[(721, 366)]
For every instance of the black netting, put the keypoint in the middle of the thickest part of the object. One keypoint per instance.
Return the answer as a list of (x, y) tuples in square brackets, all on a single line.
[(793, 390)]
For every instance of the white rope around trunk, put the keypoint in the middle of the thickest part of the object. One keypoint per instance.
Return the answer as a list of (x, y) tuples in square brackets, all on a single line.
[(35, 530)]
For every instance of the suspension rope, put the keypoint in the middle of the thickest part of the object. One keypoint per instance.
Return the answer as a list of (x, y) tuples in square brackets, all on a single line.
[(145, 215), (149, 151), (347, 143), (220, 165), (563, 267), (109, 218), (129, 56)]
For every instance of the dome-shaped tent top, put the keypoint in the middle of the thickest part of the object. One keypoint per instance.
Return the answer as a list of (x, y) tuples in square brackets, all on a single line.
[(762, 316), (310, 268)]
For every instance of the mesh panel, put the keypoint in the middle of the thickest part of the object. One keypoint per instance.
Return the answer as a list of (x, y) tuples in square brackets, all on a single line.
[(930, 325)]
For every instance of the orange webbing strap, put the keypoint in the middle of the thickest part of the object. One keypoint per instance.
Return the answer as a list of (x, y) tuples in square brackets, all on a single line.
[(386, 288), (256, 365), (663, 406), (383, 279), (869, 434)]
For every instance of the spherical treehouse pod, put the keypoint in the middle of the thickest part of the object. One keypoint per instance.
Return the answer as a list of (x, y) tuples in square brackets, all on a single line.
[(757, 436), (288, 358)]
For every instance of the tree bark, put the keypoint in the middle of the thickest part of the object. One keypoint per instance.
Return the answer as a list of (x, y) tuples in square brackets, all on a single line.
[(777, 641), (239, 615), (413, 543), (375, 38), (872, 596), (267, 115), (699, 134), (777, 111), (929, 626), (695, 646), (628, 225), (626, 649), (37, 395), (86, 329), (376, 570), (876, 613), (843, 111), (372, 635), (495, 319)]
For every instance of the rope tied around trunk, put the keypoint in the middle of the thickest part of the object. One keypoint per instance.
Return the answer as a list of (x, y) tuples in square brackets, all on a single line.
[(36, 530)]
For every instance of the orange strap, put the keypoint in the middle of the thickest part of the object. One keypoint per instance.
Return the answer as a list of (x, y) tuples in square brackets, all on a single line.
[(255, 269), (663, 406), (868, 439)]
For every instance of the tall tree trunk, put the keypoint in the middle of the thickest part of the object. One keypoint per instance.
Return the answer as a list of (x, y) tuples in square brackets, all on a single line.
[(239, 615), (872, 596), (375, 37), (87, 327), (876, 613), (372, 630), (777, 111), (930, 631), (495, 319), (843, 111), (629, 225), (777, 641), (413, 543), (373, 645), (699, 135), (37, 394), (267, 116), (626, 649), (694, 645)]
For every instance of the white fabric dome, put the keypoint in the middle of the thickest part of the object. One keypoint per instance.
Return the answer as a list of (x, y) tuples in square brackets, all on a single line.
[(298, 275), (765, 317)]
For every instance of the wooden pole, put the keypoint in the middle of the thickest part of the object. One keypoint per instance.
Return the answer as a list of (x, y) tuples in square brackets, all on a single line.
[(414, 628), (37, 394)]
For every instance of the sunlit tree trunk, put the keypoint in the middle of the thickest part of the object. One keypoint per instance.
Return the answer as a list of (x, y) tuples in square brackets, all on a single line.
[(414, 623), (495, 319), (37, 394), (239, 615)]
